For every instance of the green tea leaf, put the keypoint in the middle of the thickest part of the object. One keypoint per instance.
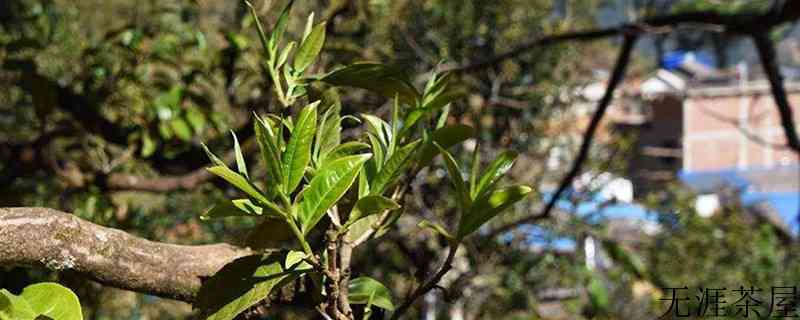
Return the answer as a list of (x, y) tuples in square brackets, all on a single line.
[(52, 300), (227, 208), (476, 165), (298, 151), (598, 294), (628, 260), (385, 80), (454, 171), (241, 166), (342, 150), (296, 260), (239, 182), (148, 144), (328, 185), (285, 54), (329, 133), (280, 27), (271, 155), (489, 206), (438, 228), (443, 117), (13, 307), (380, 129), (493, 173), (446, 137), (370, 205), (309, 26), (310, 48), (365, 289), (393, 168), (181, 129), (196, 119), (378, 151), (214, 159), (242, 283)]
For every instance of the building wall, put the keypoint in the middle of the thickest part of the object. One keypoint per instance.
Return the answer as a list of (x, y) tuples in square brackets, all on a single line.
[(735, 128)]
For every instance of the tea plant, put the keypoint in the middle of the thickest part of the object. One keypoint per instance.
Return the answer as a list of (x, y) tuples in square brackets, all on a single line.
[(329, 195)]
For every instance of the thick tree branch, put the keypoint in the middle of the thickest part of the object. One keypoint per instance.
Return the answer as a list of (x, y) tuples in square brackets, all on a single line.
[(616, 78), (733, 23), (41, 237), (766, 52)]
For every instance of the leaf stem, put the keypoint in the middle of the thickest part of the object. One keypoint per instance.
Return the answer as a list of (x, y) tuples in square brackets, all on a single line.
[(299, 235)]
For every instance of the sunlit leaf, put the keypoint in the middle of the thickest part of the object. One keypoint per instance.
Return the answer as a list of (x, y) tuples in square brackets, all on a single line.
[(52, 300), (328, 185), (456, 178), (239, 182), (379, 78), (298, 150), (270, 154), (365, 289), (475, 169), (285, 54), (446, 137), (214, 159), (438, 228), (329, 133), (296, 260), (310, 48), (148, 144), (370, 205), (493, 173), (228, 208), (393, 168), (196, 119), (598, 294), (628, 260), (13, 307), (242, 283), (378, 128), (241, 166), (280, 26), (342, 150), (489, 206), (443, 117), (181, 129)]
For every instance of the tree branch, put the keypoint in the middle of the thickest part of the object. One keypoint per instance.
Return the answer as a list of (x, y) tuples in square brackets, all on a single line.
[(766, 52), (429, 285), (733, 23), (41, 237), (616, 78)]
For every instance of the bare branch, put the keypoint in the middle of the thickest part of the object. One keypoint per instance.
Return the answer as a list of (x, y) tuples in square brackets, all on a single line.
[(428, 285), (732, 23), (41, 237), (766, 52), (616, 78)]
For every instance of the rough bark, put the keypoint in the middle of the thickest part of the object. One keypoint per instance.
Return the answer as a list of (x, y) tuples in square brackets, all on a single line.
[(41, 237)]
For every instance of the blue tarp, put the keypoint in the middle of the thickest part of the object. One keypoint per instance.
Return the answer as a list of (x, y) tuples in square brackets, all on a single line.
[(677, 59), (786, 202)]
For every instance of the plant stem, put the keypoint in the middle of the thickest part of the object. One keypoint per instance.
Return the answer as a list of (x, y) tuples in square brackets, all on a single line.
[(299, 235), (428, 285)]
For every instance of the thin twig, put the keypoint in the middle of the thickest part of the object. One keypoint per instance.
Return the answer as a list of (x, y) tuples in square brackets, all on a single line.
[(428, 285), (616, 78)]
